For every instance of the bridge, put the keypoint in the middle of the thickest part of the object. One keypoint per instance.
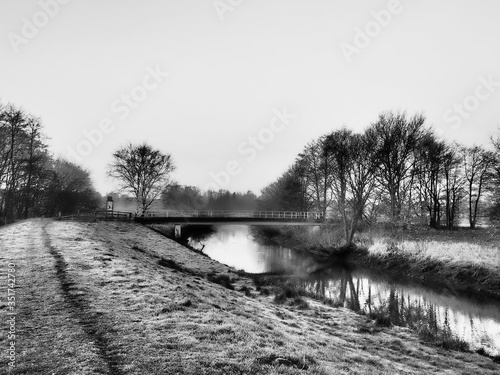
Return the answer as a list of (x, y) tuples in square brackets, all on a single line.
[(208, 217)]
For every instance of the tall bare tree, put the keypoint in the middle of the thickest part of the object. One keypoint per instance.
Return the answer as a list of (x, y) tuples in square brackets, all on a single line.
[(495, 141), (353, 171), (397, 137), (288, 192), (14, 124), (23, 163), (316, 165), (495, 210), (429, 170), (142, 171), (338, 145), (477, 163), (35, 167), (361, 178), (454, 184)]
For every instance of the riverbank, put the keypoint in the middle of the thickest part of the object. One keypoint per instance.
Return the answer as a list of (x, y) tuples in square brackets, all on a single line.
[(464, 260), (118, 298)]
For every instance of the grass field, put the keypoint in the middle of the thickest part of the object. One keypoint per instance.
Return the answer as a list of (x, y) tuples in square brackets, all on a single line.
[(118, 298)]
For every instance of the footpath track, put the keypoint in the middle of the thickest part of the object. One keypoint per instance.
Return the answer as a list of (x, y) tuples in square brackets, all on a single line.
[(50, 310)]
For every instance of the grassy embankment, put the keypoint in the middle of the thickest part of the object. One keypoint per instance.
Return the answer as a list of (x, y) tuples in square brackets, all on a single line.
[(463, 260), (117, 298)]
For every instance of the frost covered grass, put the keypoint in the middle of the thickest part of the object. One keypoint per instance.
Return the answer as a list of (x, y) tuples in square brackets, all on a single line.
[(118, 298)]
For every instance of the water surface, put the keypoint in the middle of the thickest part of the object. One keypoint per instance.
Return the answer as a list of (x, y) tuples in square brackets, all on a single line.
[(437, 311)]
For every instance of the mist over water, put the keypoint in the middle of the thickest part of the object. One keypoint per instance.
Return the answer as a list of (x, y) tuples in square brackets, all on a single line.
[(437, 311)]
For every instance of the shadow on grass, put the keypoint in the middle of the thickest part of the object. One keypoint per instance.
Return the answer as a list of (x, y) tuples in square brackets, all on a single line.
[(303, 363), (169, 263)]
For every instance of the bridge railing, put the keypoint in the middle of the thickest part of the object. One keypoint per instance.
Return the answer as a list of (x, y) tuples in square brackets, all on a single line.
[(237, 214), (98, 215)]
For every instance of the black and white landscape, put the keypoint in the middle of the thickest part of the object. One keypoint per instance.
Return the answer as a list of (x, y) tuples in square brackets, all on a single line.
[(249, 187)]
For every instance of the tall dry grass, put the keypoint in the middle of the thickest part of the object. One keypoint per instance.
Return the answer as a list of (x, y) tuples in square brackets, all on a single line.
[(467, 260), (452, 253), (448, 259)]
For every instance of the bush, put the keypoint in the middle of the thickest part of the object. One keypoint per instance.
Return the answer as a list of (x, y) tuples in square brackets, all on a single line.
[(221, 279), (300, 303), (381, 319), (280, 298), (246, 290)]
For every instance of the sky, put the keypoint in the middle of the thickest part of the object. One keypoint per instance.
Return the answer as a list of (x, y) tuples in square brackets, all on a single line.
[(234, 89)]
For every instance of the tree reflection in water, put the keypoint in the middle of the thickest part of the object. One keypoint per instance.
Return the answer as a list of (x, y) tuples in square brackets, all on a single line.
[(427, 312)]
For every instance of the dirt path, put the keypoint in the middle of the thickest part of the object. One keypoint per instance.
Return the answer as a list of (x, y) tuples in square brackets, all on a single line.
[(93, 324), (56, 331)]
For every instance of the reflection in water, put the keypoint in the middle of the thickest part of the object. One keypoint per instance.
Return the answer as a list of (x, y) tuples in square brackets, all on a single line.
[(433, 311), (415, 307), (234, 245)]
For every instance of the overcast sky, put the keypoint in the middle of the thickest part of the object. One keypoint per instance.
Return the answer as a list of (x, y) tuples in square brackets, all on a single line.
[(197, 78)]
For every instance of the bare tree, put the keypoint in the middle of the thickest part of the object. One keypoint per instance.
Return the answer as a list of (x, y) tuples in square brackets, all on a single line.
[(353, 178), (397, 138), (23, 163), (361, 178), (288, 192), (35, 171), (496, 161), (142, 171), (316, 165), (338, 145), (429, 170), (31, 182), (495, 210), (477, 163), (70, 189), (454, 184), (14, 124)]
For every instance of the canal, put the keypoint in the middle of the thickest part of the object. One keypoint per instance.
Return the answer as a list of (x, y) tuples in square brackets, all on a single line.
[(436, 311)]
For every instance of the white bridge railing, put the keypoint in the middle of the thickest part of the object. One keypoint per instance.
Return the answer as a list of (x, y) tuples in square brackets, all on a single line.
[(237, 214)]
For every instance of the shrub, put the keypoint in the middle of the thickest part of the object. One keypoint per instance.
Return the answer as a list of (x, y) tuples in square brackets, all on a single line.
[(221, 279), (300, 303)]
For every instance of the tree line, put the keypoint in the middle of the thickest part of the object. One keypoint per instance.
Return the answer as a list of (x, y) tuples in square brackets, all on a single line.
[(32, 182), (183, 197), (397, 171)]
